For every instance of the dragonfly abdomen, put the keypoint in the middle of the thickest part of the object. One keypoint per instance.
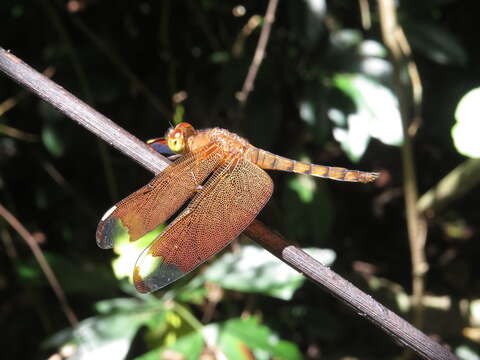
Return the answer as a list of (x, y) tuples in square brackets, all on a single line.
[(267, 160)]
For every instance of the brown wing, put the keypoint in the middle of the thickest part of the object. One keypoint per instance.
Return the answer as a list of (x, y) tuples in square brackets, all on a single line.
[(229, 201), (154, 203)]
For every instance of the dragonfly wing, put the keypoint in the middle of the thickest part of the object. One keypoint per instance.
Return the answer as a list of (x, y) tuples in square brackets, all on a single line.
[(228, 202), (160, 145), (154, 203)]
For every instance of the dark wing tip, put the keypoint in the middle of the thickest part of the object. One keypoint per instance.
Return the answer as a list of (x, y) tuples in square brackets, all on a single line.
[(109, 229), (151, 273), (104, 234)]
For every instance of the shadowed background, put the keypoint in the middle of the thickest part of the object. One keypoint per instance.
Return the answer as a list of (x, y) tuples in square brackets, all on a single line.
[(324, 93)]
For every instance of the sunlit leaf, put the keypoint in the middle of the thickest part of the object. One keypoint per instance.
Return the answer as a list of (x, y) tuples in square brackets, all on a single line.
[(104, 337), (377, 114), (188, 347), (307, 112), (465, 352), (248, 333), (475, 312), (236, 339), (252, 269), (355, 138), (128, 252), (304, 186), (346, 38), (372, 48), (466, 129), (374, 62)]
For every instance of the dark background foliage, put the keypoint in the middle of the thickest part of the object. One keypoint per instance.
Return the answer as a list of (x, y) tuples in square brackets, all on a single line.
[(129, 58)]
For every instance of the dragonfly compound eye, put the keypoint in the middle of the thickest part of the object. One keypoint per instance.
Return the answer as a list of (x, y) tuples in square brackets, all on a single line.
[(176, 144)]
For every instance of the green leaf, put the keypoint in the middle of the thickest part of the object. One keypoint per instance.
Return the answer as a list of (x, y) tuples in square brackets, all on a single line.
[(179, 114), (258, 338), (304, 186), (29, 273), (252, 269), (220, 57), (108, 336), (466, 129), (194, 292), (52, 141), (190, 346), (237, 339), (116, 305)]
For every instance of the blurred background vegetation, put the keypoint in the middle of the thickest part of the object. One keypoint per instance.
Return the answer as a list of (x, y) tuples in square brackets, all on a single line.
[(327, 92)]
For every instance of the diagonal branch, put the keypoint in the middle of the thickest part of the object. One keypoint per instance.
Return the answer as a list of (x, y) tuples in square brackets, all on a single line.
[(95, 122)]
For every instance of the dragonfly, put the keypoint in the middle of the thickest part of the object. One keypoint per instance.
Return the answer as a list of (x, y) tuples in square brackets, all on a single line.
[(224, 176)]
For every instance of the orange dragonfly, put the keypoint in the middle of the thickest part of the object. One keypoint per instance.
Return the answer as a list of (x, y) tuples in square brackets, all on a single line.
[(223, 173)]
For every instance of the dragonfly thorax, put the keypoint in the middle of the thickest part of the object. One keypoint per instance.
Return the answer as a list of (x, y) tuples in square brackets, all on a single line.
[(229, 142)]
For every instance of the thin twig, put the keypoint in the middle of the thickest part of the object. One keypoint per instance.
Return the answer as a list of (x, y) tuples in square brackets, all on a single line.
[(417, 229), (362, 303), (242, 96), (239, 43), (47, 270), (415, 82), (18, 134), (365, 14)]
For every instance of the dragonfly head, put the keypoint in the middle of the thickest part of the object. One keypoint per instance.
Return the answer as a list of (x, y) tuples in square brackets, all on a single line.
[(177, 137)]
